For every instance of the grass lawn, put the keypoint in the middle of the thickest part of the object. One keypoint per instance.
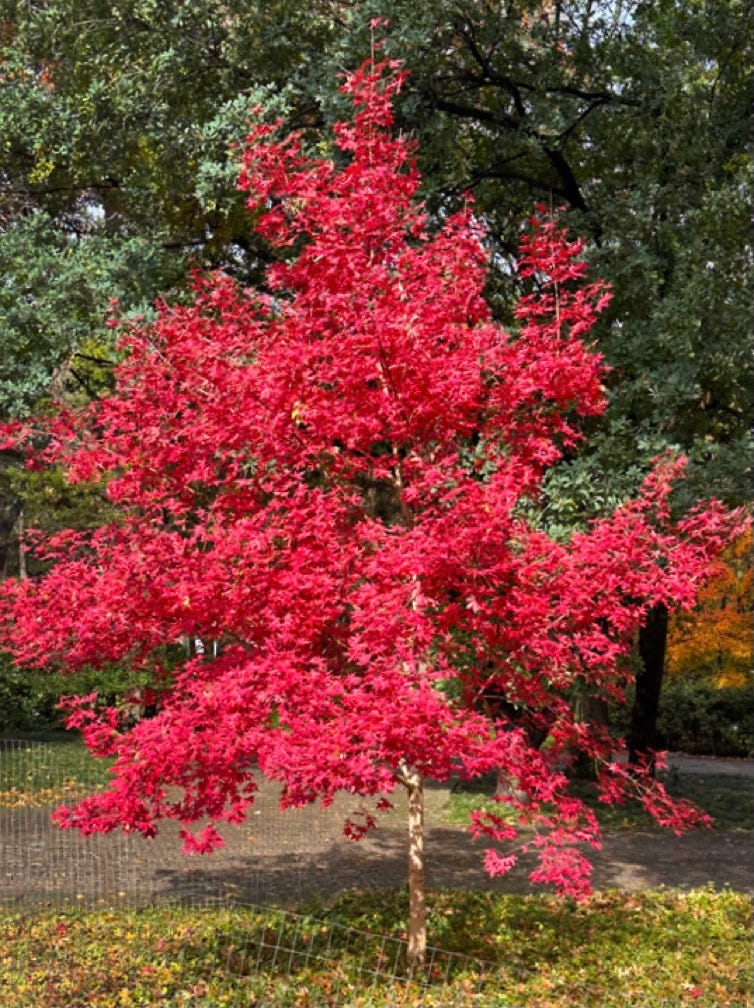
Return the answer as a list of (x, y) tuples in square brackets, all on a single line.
[(729, 800), (59, 767), (654, 948), (38, 772)]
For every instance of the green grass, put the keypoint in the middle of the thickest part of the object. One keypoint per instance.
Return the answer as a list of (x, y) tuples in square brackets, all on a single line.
[(59, 767), (729, 800), (654, 948), (35, 773)]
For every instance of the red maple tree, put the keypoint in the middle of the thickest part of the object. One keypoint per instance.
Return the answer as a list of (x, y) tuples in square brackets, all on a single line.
[(325, 482)]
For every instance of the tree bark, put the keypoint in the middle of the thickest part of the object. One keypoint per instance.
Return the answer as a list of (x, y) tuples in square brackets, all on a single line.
[(417, 914), (642, 735), (22, 569), (10, 509), (592, 710)]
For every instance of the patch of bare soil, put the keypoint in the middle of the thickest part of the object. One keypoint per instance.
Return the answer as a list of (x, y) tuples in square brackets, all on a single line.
[(288, 857)]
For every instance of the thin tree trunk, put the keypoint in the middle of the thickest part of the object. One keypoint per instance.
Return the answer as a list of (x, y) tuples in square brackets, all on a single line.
[(417, 914), (642, 735), (591, 710), (508, 786), (10, 508), (22, 569)]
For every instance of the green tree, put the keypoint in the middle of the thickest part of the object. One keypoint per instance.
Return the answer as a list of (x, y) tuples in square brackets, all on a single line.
[(116, 173)]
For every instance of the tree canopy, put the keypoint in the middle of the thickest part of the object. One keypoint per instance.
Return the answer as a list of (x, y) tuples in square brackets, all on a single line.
[(327, 479), (714, 642), (116, 174)]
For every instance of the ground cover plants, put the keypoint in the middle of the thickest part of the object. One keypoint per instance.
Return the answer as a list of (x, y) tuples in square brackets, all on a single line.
[(652, 948)]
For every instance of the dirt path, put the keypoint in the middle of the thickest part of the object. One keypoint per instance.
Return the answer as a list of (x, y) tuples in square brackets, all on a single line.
[(287, 858), (717, 765)]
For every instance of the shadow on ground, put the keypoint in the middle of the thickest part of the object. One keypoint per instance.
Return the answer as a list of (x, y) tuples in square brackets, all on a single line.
[(289, 857)]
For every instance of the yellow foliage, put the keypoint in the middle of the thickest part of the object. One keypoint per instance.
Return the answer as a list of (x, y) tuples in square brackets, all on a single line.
[(42, 170), (39, 797), (715, 639)]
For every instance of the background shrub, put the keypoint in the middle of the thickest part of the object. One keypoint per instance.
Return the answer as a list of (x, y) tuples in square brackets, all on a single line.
[(698, 717), (29, 697), (701, 718)]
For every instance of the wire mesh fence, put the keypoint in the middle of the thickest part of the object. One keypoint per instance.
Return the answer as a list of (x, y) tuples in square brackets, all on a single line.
[(40, 863), (275, 955), (265, 956), (272, 858), (340, 964)]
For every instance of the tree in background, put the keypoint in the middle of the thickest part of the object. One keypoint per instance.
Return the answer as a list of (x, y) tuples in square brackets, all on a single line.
[(330, 479), (713, 641), (115, 171), (115, 177)]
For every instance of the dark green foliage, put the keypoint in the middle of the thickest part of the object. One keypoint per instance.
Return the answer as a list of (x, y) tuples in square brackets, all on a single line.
[(29, 697), (702, 719), (116, 167), (696, 717), (54, 304)]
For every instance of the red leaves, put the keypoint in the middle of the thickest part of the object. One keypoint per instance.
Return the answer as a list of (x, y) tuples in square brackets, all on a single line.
[(618, 781), (204, 842), (494, 864), (323, 487), (99, 729)]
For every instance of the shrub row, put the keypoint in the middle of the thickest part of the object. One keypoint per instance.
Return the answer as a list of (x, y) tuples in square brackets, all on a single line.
[(703, 719), (29, 698)]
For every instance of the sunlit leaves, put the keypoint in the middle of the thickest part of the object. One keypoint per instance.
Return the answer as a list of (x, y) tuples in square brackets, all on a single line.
[(323, 485), (714, 641), (614, 950)]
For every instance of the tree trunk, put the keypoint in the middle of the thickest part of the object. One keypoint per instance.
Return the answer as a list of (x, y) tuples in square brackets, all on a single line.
[(642, 735), (417, 913), (592, 710), (22, 569), (10, 508), (508, 786)]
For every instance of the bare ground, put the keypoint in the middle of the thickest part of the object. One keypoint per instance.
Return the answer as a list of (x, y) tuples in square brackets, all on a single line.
[(286, 858)]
